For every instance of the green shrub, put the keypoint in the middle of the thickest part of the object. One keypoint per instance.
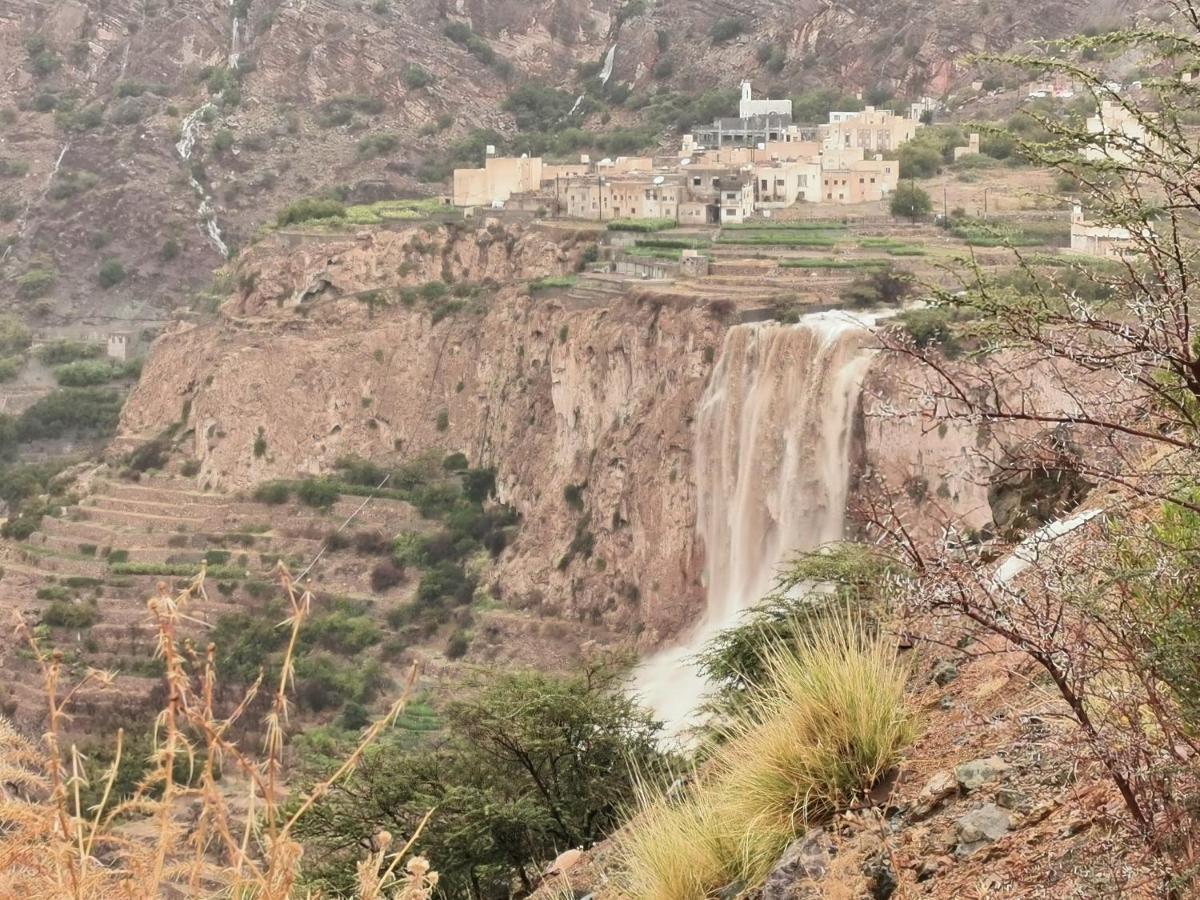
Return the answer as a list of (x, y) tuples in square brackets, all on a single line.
[(61, 352), (374, 145), (386, 574), (15, 336), (13, 168), (644, 225), (260, 443), (455, 462), (88, 372), (35, 282), (910, 202), (882, 287), (458, 645), (417, 77), (273, 492), (67, 614), (445, 582), (152, 454), (726, 29), (309, 209), (69, 184), (112, 273), (83, 412), (317, 492)]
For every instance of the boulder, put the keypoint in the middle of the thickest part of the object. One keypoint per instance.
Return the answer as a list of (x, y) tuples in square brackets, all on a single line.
[(937, 789), (978, 772), (806, 859), (944, 672), (981, 827)]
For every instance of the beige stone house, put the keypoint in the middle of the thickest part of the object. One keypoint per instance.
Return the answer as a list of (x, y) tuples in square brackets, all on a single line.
[(872, 130)]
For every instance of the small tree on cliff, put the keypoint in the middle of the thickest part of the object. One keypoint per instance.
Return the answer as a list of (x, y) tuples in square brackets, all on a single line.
[(1095, 367)]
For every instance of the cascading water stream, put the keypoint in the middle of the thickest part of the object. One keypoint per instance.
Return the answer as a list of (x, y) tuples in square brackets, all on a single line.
[(189, 133), (609, 58), (772, 473)]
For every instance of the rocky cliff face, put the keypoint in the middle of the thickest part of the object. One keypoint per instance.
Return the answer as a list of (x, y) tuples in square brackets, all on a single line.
[(586, 412)]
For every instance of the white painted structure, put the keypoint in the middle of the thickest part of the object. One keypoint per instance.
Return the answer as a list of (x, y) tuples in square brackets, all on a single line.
[(750, 107)]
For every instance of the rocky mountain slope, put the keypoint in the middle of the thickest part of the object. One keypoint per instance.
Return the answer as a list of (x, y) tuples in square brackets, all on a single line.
[(152, 139)]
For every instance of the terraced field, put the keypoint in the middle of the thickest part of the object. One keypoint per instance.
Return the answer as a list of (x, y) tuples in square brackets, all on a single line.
[(84, 579)]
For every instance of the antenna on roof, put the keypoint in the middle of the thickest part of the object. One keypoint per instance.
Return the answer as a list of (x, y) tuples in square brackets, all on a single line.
[(686, 161), (659, 179)]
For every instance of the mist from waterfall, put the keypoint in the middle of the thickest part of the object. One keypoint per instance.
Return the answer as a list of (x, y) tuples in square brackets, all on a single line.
[(772, 474)]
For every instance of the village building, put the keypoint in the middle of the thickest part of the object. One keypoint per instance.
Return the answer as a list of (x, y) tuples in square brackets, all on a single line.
[(872, 130), (1118, 135), (848, 177), (972, 148), (749, 107), (1094, 239), (499, 179), (783, 183), (743, 132)]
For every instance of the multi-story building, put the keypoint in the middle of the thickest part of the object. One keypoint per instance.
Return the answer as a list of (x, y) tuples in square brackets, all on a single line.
[(782, 183), (872, 130), (846, 177)]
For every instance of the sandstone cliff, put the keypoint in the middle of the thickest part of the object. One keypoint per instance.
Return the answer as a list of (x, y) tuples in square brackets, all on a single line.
[(585, 411)]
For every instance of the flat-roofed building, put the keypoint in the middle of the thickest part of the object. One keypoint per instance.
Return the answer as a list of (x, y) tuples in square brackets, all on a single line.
[(872, 131), (1094, 239), (749, 107), (846, 177), (1117, 134), (785, 182), (499, 179)]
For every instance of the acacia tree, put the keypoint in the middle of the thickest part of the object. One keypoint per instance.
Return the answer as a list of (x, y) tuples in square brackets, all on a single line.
[(528, 765), (1094, 368)]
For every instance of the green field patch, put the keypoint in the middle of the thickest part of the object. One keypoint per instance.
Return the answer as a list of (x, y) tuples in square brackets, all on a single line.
[(642, 225), (768, 225), (829, 262), (552, 282), (785, 238)]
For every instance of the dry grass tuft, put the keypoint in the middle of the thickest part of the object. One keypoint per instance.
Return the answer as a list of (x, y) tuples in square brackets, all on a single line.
[(224, 833), (833, 721)]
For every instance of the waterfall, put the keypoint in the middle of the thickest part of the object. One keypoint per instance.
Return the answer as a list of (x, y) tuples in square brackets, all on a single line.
[(189, 133), (235, 43), (609, 58), (23, 220), (772, 473)]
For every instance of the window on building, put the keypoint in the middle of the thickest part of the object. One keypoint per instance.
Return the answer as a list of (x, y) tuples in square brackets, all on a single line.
[(696, 181), (862, 181), (731, 212)]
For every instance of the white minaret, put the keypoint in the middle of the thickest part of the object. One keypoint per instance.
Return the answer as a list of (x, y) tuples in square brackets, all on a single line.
[(744, 111)]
